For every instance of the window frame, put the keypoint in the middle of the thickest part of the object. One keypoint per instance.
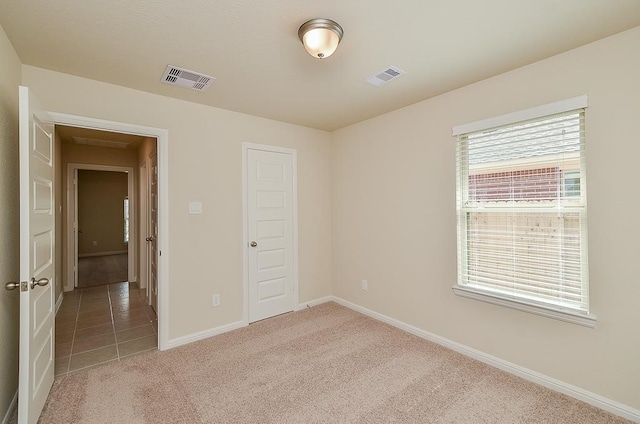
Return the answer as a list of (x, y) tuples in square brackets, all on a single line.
[(584, 318)]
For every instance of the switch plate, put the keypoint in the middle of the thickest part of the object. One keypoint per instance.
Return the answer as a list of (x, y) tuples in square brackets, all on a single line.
[(365, 285), (216, 300), (195, 208)]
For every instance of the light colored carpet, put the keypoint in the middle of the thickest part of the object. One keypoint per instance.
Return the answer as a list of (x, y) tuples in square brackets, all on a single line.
[(101, 270), (326, 364)]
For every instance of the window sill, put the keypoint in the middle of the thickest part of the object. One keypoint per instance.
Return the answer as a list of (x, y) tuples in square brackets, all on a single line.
[(586, 320)]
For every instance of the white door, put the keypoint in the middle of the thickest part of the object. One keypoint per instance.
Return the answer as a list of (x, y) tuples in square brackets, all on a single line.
[(153, 232), (270, 197), (36, 259)]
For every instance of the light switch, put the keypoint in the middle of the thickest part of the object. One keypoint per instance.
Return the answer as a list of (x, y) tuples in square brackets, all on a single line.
[(195, 208)]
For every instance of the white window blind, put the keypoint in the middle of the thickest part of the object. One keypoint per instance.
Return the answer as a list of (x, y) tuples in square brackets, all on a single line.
[(521, 202)]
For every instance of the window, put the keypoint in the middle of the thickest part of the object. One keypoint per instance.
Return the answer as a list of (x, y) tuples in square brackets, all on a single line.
[(571, 183), (126, 220), (521, 203)]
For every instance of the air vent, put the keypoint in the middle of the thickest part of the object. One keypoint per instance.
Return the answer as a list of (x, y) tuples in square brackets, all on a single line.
[(385, 76), (187, 79)]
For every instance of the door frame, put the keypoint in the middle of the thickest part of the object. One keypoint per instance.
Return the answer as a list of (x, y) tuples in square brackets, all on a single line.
[(246, 146), (162, 139), (71, 282), (143, 218)]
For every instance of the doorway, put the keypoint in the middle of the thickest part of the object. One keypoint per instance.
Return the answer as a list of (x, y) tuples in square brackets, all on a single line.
[(156, 141), (161, 138), (104, 315), (101, 246)]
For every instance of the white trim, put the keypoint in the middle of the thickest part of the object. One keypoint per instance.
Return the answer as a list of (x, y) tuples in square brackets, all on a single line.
[(11, 410), (246, 146), (59, 301), (522, 115), (162, 140), (586, 320), (205, 334), (245, 237), (593, 399), (314, 302), (72, 214)]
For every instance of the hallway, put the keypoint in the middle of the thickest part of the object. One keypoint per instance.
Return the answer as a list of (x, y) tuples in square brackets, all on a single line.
[(101, 324), (100, 270)]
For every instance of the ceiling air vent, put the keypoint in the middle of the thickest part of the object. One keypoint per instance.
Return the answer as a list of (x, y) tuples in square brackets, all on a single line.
[(187, 79), (385, 76)]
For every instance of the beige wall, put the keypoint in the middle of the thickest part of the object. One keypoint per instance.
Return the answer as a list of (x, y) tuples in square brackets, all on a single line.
[(205, 164), (394, 218), (9, 220), (101, 197)]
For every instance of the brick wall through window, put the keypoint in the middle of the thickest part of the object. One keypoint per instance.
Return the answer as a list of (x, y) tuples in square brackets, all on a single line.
[(529, 184)]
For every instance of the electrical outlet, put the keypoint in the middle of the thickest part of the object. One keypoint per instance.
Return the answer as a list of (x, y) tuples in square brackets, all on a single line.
[(216, 300), (95, 243), (365, 285)]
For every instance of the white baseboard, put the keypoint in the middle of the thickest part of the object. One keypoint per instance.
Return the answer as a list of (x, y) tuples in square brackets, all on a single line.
[(315, 302), (598, 401), (205, 334), (11, 410), (59, 301), (201, 335)]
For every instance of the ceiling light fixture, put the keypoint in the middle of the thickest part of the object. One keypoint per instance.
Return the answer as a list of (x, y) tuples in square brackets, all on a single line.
[(320, 37)]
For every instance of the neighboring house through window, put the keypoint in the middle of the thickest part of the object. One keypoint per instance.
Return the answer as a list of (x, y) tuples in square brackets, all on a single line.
[(521, 204)]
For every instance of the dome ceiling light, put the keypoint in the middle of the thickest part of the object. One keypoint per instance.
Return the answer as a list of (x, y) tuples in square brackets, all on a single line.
[(320, 37)]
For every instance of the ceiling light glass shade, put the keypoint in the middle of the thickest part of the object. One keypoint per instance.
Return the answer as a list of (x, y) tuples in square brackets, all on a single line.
[(320, 37)]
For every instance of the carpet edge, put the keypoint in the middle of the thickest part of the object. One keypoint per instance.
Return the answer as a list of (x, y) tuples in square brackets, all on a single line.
[(609, 405)]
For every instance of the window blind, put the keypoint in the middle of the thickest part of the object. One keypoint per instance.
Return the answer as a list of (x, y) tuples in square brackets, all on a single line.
[(521, 202)]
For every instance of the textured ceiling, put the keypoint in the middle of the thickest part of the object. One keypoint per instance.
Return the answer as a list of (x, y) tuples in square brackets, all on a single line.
[(251, 47)]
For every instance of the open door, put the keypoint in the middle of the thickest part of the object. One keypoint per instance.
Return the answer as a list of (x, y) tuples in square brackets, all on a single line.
[(152, 239), (37, 221)]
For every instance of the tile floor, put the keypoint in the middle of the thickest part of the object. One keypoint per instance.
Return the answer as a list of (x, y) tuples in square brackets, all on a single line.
[(101, 324)]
